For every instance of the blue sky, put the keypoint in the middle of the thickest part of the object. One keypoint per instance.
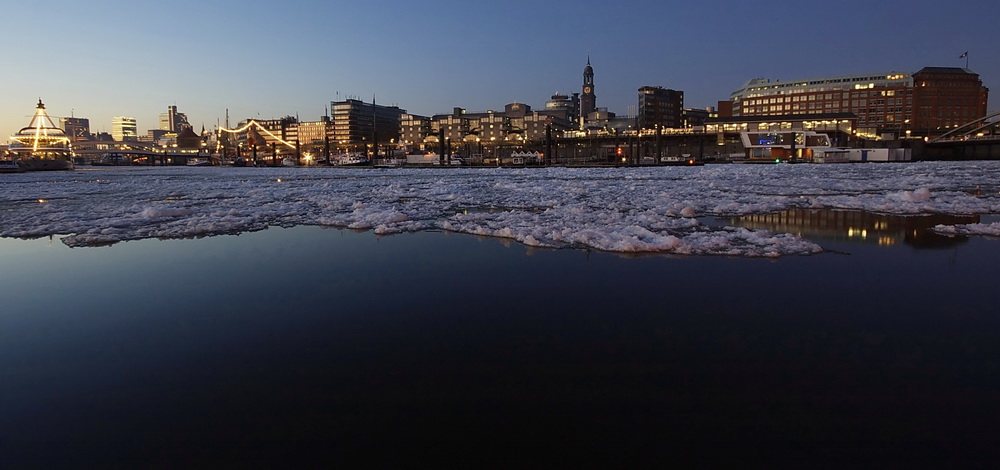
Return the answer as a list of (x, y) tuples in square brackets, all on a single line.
[(269, 59)]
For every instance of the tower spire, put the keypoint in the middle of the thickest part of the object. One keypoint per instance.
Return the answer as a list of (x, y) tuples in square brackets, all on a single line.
[(588, 99)]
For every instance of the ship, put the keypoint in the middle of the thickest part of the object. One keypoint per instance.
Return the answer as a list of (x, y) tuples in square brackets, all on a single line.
[(41, 145)]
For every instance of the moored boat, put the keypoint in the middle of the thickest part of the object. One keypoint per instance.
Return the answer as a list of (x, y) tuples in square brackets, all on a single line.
[(10, 166), (351, 159), (41, 146)]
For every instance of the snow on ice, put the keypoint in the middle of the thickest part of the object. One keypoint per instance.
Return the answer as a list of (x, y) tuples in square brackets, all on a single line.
[(632, 210)]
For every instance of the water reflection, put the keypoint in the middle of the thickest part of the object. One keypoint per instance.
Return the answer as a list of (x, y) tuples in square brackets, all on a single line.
[(858, 226)]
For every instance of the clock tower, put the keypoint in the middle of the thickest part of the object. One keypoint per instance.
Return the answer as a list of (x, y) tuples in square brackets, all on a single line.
[(588, 101)]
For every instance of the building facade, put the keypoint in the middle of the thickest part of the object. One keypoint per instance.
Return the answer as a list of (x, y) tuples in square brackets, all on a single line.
[(563, 106), (77, 129), (517, 124), (414, 130), (280, 133), (124, 129), (946, 98), (894, 104), (173, 121), (660, 107), (314, 133), (356, 123)]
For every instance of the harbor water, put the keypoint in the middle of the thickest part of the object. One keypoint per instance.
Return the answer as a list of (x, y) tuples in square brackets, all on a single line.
[(315, 346)]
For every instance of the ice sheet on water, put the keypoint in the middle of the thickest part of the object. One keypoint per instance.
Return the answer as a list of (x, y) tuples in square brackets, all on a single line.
[(989, 230), (613, 209)]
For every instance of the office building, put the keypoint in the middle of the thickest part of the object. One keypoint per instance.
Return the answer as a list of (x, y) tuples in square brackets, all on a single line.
[(124, 129), (660, 107), (893, 104), (356, 123), (281, 132), (173, 121), (413, 130), (563, 106), (516, 124), (76, 129), (945, 98)]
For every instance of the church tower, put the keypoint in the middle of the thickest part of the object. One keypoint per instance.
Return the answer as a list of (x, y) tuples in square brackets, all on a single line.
[(588, 101)]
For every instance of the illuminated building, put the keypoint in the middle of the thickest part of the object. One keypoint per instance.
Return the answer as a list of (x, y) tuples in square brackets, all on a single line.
[(892, 105), (563, 106), (413, 129), (696, 117), (268, 132), (356, 123), (153, 135), (945, 98), (516, 124), (661, 107), (173, 121), (315, 132), (124, 129), (840, 127)]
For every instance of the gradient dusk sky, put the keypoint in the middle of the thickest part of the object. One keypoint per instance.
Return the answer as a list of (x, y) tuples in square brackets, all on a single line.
[(292, 57)]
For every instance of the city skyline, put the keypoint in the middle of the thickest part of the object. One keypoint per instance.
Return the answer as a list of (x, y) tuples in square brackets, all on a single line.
[(265, 61)]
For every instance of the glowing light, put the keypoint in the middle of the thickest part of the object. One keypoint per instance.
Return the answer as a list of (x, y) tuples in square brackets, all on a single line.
[(42, 201), (38, 137), (255, 123)]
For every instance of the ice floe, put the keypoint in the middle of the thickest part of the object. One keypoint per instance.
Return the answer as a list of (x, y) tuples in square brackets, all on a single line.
[(628, 210)]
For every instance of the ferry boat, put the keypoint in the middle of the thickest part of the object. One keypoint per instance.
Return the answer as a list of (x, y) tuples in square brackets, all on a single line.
[(41, 145), (786, 146)]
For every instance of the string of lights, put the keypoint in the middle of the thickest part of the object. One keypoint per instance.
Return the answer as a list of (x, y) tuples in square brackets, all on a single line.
[(257, 124), (40, 137)]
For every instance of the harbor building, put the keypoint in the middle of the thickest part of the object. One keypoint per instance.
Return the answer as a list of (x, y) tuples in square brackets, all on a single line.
[(358, 124), (660, 107), (517, 124), (124, 129), (887, 105), (269, 133), (946, 98), (315, 138), (564, 106), (413, 130)]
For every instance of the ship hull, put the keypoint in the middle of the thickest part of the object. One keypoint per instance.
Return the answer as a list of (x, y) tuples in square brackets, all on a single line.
[(45, 164)]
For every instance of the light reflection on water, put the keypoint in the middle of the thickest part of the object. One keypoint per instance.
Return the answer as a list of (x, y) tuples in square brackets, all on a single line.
[(857, 226), (289, 344)]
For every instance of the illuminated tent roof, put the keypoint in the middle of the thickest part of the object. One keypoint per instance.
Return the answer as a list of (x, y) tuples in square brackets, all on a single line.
[(40, 133)]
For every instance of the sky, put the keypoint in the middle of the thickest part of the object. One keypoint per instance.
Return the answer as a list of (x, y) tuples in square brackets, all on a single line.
[(258, 59)]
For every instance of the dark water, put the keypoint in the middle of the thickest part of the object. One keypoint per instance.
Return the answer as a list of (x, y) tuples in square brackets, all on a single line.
[(308, 346)]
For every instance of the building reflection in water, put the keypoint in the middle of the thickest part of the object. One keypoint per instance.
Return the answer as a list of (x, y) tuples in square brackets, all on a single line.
[(858, 226)]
